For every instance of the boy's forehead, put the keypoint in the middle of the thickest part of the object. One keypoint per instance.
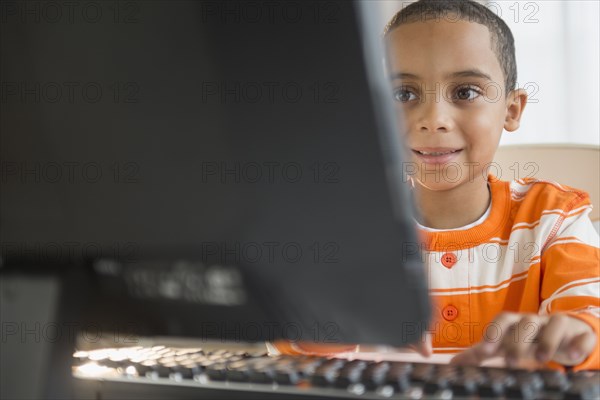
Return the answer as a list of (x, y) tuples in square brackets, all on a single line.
[(444, 46)]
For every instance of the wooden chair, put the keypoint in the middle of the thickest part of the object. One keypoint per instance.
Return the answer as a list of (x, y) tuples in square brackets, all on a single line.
[(573, 165)]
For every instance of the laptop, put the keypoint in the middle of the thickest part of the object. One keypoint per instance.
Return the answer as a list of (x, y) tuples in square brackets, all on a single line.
[(214, 170), (183, 181)]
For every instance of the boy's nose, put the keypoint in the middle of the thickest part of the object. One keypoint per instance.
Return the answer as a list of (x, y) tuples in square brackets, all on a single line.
[(435, 116)]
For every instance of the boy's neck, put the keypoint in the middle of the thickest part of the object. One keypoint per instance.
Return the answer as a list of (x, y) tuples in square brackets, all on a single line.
[(452, 208)]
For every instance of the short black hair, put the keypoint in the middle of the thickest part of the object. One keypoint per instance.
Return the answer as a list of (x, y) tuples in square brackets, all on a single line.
[(503, 43)]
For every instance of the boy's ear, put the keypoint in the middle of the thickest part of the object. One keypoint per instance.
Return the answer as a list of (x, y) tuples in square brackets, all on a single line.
[(515, 104)]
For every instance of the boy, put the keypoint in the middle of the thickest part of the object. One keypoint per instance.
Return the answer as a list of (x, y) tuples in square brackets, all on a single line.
[(513, 268)]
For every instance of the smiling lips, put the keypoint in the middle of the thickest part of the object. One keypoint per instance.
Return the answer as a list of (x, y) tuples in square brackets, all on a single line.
[(436, 155)]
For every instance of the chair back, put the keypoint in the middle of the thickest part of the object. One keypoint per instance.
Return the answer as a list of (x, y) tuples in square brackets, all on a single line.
[(577, 166)]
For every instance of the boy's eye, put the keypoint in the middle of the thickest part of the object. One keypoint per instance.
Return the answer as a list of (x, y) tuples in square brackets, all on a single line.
[(404, 95), (467, 93)]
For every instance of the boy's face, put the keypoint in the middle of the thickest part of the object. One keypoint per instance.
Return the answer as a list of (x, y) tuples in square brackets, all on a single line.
[(450, 87)]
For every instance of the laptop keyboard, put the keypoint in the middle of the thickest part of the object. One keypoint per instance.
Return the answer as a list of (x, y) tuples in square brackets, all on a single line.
[(326, 377)]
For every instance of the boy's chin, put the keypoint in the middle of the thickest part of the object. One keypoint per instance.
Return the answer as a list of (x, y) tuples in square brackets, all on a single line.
[(436, 183), (444, 177)]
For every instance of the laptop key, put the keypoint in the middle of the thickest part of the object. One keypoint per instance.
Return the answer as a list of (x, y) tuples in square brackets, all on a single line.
[(216, 372), (326, 373), (495, 384), (398, 377), (441, 379), (351, 373), (554, 381), (585, 385), (467, 381), (238, 371), (374, 375)]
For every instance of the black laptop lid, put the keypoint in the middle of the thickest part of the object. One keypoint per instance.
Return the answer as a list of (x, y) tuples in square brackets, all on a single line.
[(213, 164)]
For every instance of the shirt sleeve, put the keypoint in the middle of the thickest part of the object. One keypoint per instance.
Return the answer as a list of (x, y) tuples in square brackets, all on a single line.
[(571, 273)]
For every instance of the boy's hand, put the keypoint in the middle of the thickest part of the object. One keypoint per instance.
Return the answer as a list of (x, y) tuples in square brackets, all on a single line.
[(557, 337), (423, 347)]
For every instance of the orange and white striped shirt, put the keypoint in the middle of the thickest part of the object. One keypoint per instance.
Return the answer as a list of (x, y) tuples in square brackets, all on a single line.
[(536, 252)]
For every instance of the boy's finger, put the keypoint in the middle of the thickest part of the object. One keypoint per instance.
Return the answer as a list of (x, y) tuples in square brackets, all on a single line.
[(472, 356), (580, 347), (519, 343), (424, 346), (496, 332), (551, 337), (578, 341), (491, 344)]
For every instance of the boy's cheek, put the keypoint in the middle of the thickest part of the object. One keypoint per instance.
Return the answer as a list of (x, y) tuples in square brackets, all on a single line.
[(494, 94), (403, 124)]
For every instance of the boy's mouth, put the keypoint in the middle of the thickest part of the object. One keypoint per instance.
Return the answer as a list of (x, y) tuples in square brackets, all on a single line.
[(436, 155), (435, 151)]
